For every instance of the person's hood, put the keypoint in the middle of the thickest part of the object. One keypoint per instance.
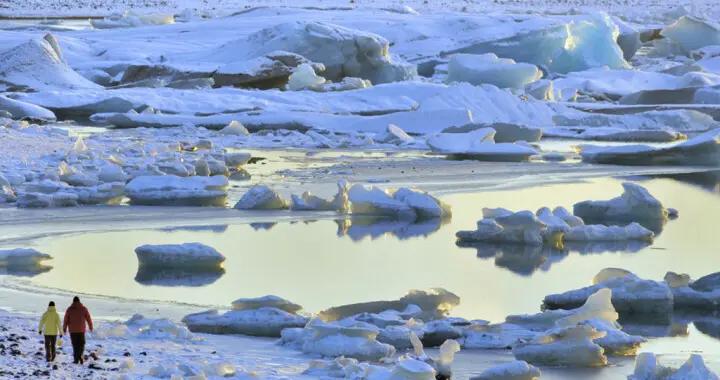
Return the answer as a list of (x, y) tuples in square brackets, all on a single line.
[(51, 309)]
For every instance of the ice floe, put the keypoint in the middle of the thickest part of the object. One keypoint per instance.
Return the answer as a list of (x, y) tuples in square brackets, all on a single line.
[(261, 197), (403, 203), (22, 257)]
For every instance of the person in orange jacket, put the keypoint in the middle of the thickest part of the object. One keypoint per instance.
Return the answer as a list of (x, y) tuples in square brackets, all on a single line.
[(77, 319)]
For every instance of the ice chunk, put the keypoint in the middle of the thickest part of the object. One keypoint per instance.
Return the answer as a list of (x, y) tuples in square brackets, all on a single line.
[(261, 197), (412, 369), (515, 370), (647, 367), (266, 301), (263, 321), (496, 336), (707, 283), (38, 64), (174, 190), (675, 280), (488, 68), (130, 19), (344, 52), (703, 149), (479, 145), (375, 201), (111, 172), (355, 340), (565, 346), (599, 232), (25, 111), (308, 201), (630, 294), (304, 77), (394, 135), (520, 227), (22, 257), (235, 128), (424, 204), (435, 303), (635, 204), (194, 255), (607, 274), (691, 33), (581, 43), (504, 132)]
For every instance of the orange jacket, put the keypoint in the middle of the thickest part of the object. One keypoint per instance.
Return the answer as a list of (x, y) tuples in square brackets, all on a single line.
[(75, 318)]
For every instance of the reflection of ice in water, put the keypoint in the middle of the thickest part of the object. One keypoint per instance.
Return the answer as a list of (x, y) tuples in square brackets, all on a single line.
[(520, 259), (25, 270), (177, 277), (708, 180), (358, 228)]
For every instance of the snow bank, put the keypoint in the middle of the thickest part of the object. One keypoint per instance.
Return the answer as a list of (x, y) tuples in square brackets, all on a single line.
[(174, 190), (192, 255), (38, 64), (488, 68), (635, 204), (703, 149), (515, 370), (261, 197)]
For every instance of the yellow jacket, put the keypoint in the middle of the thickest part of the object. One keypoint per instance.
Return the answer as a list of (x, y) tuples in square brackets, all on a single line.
[(50, 322)]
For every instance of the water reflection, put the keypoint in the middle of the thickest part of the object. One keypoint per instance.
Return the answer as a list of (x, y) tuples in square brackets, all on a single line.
[(676, 324), (707, 180), (524, 259), (218, 229), (359, 228), (25, 270), (177, 277)]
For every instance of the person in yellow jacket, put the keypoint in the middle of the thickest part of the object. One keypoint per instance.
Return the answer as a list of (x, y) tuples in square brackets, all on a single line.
[(50, 325)]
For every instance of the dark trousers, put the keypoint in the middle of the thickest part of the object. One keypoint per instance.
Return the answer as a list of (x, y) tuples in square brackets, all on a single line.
[(50, 344), (78, 345)]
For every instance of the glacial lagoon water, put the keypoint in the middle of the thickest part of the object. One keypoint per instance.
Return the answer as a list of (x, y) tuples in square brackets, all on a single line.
[(325, 262)]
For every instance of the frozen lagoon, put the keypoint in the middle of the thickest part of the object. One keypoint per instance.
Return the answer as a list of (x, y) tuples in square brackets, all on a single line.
[(319, 262)]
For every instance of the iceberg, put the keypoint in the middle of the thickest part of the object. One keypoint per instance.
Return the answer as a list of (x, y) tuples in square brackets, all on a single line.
[(304, 78), (488, 68), (308, 202), (26, 111), (478, 145), (192, 255), (599, 232), (130, 19), (266, 301), (375, 201), (353, 340), (174, 190)]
